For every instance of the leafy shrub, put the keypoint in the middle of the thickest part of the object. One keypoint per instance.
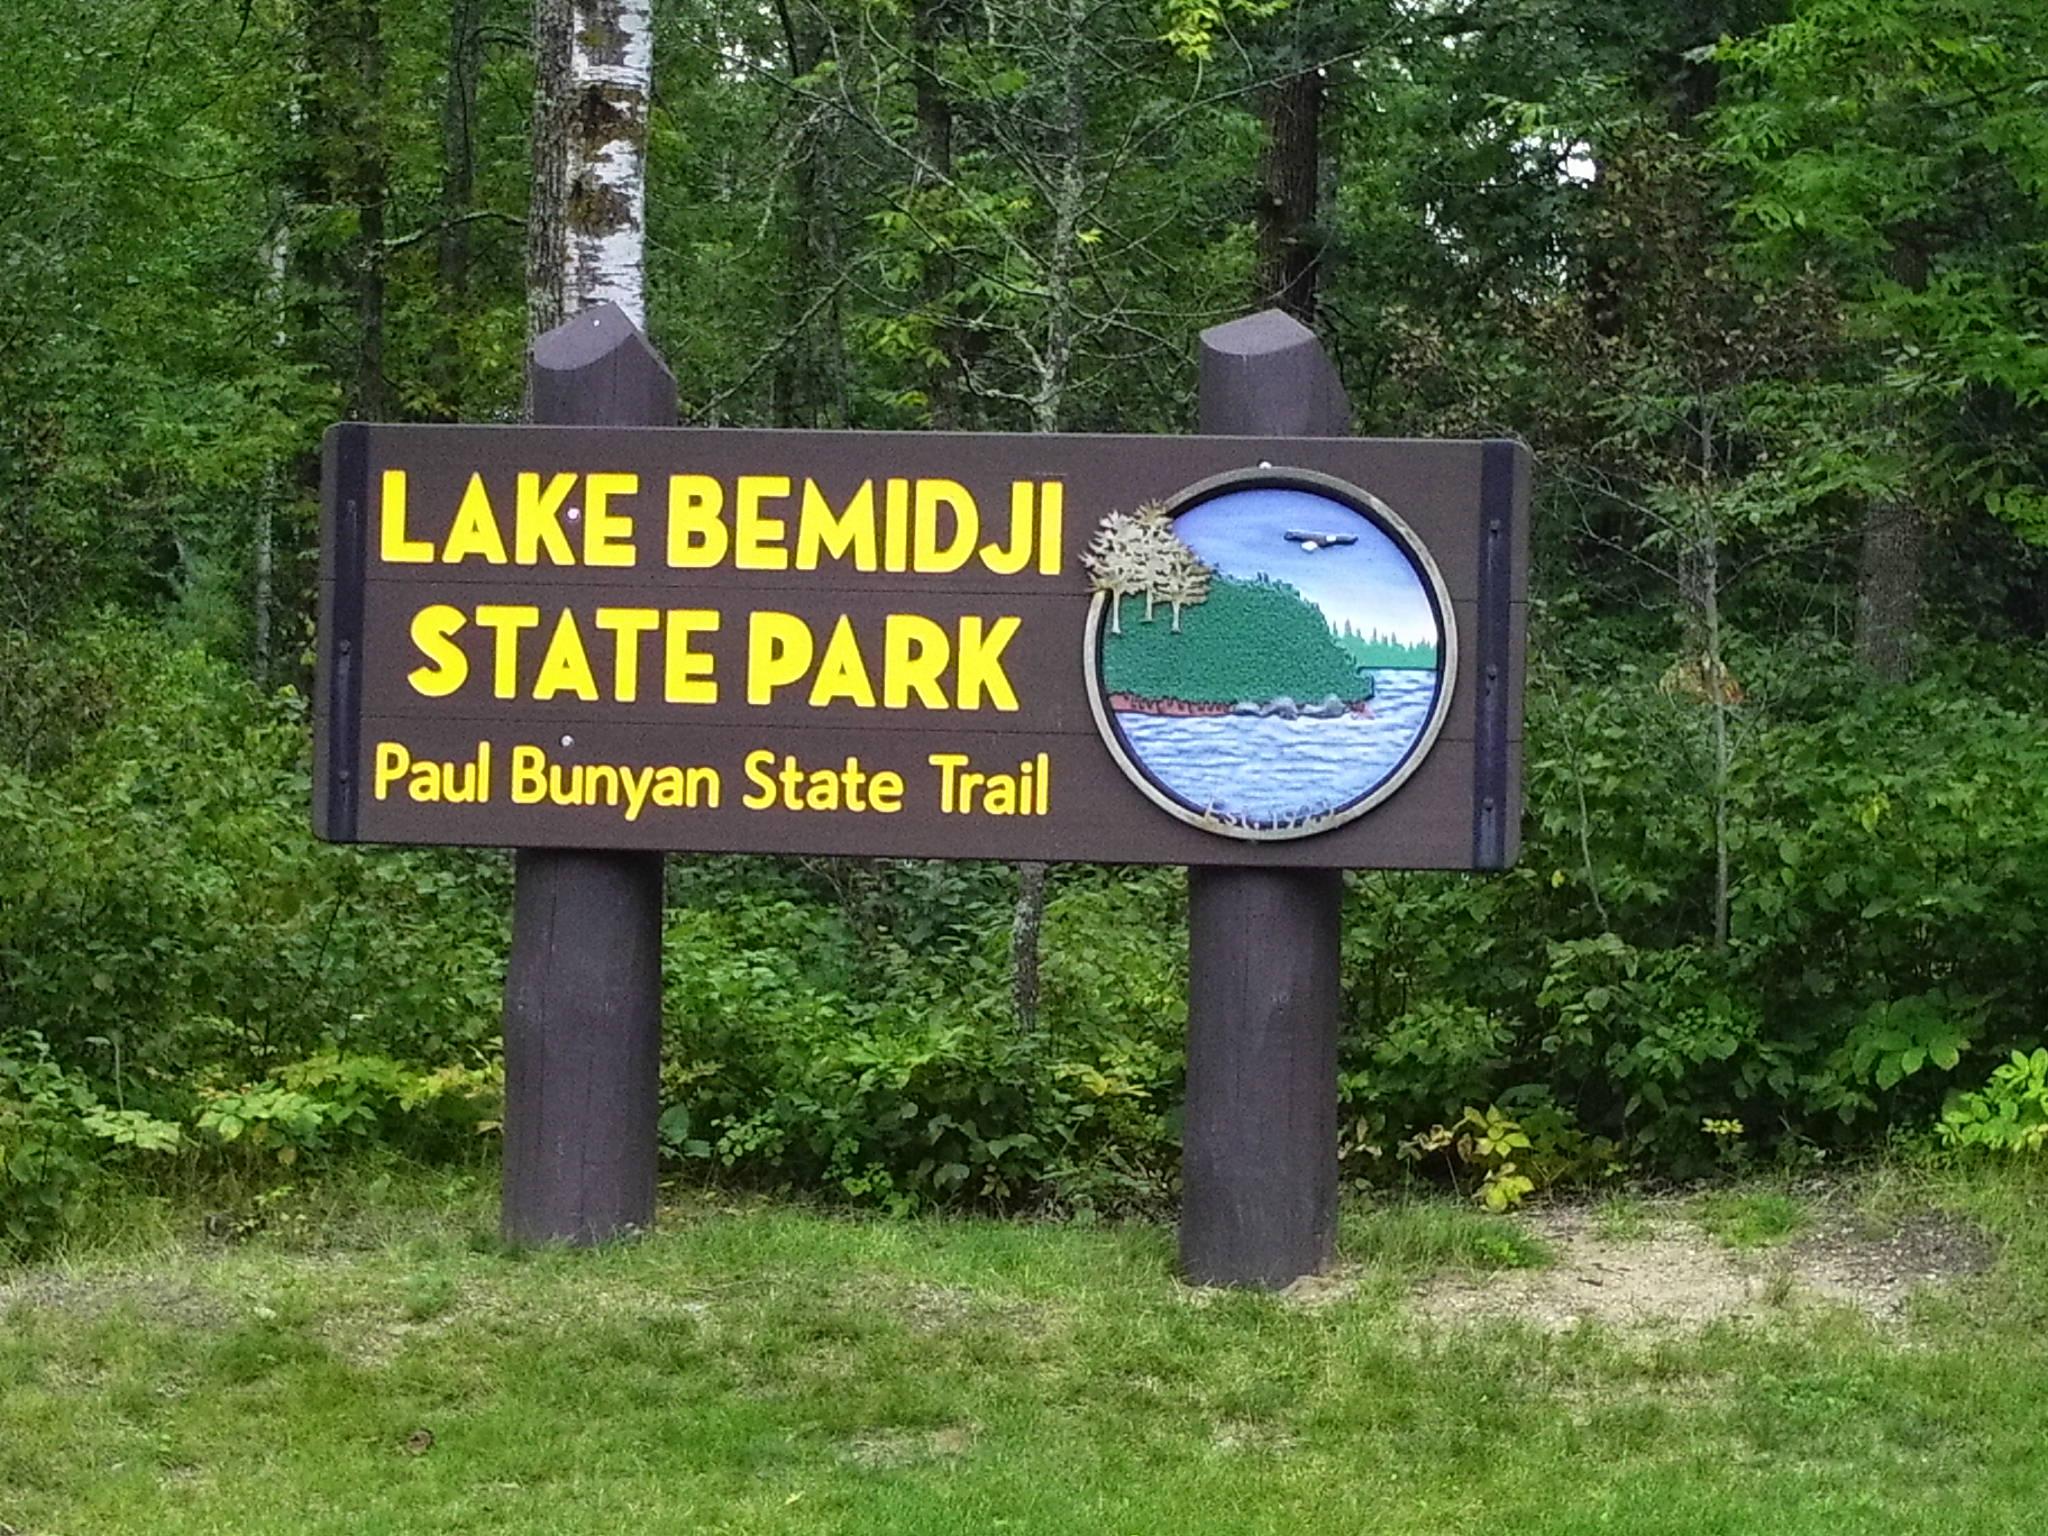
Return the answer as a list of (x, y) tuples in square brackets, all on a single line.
[(57, 1140), (2009, 1114), (160, 883), (190, 963)]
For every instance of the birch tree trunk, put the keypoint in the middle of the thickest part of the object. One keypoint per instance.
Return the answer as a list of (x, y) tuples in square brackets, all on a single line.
[(583, 979), (611, 79), (1070, 190), (1055, 367)]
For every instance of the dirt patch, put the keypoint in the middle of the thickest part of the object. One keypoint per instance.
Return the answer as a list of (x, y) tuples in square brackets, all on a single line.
[(1877, 1270), (145, 1293), (905, 1448), (1671, 1271)]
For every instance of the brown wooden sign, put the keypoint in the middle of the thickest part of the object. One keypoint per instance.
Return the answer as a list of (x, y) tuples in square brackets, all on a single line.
[(1201, 650)]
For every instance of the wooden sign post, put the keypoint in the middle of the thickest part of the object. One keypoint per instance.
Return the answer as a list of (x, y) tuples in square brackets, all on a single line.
[(583, 981), (1269, 652), (1259, 1137)]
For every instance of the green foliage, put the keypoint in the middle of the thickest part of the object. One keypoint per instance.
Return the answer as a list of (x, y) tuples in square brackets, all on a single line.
[(1749, 1218), (1853, 124), (57, 1140), (323, 1104), (2008, 1114), (1249, 640), (1738, 273), (1505, 1157), (906, 1087)]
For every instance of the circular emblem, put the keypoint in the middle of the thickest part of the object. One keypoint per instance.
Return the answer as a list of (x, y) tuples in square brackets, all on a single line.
[(1270, 654)]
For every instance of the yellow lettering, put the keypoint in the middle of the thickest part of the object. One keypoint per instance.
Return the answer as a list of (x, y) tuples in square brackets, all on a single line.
[(627, 625), (948, 764), (702, 786), (392, 762), (607, 535), (566, 664), (885, 791), (537, 520), (686, 673), (763, 796), (914, 656), (431, 628), (392, 544), (507, 620), (842, 674), (757, 540), (529, 775), (1008, 562), (820, 531), (1052, 501), (476, 528), (896, 525), (981, 663), (932, 497), (779, 650), (697, 538)]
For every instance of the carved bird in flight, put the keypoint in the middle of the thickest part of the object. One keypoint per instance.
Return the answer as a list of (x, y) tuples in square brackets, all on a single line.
[(1311, 542)]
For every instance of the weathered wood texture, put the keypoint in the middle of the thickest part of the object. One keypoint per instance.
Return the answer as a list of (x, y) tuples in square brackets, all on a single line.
[(1259, 1147), (583, 983)]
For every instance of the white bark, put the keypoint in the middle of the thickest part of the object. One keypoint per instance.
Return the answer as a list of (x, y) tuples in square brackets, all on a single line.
[(611, 73), (277, 267), (1055, 361)]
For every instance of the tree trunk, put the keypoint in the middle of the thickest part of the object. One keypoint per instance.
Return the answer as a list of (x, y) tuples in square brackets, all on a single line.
[(808, 385), (372, 191), (547, 215), (262, 598), (1889, 569), (1055, 366), (1888, 587), (1290, 175), (934, 110), (458, 190), (611, 73)]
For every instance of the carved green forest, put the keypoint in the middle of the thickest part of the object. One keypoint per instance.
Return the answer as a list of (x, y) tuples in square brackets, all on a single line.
[(1247, 641), (1378, 650)]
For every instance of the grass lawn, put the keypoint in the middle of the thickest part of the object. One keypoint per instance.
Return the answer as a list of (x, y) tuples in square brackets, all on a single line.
[(370, 1363)]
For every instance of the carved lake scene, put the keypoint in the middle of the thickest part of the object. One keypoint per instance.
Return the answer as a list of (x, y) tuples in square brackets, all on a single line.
[(1267, 660)]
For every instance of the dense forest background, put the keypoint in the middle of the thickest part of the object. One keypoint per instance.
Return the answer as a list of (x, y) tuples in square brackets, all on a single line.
[(1764, 284)]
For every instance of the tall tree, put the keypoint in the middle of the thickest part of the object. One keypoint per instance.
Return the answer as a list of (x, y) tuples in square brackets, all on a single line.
[(456, 240), (1287, 208), (587, 225), (1899, 147)]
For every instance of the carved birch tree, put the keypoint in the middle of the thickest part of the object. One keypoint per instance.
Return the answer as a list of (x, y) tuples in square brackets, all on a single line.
[(1115, 559)]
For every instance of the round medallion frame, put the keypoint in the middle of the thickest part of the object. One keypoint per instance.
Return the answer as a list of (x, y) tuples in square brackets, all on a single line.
[(1366, 505)]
